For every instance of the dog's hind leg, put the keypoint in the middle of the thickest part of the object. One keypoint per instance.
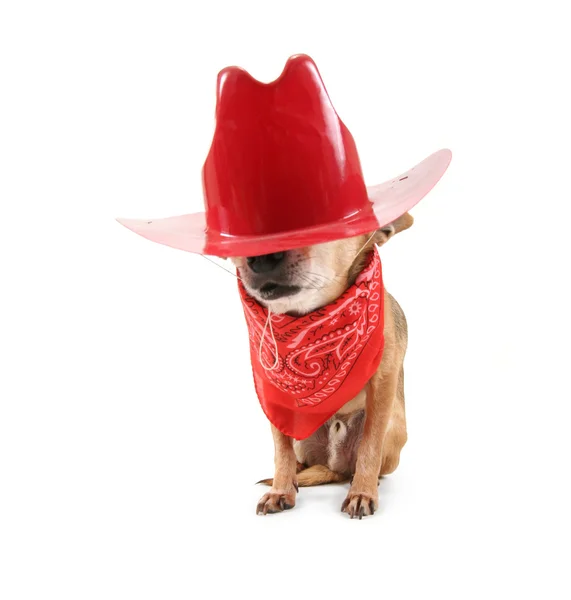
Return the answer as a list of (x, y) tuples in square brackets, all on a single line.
[(314, 475)]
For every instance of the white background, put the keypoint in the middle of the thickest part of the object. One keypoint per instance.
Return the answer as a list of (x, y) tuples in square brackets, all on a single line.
[(130, 434)]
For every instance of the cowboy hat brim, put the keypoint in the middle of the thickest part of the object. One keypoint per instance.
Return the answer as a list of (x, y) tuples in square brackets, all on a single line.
[(389, 201)]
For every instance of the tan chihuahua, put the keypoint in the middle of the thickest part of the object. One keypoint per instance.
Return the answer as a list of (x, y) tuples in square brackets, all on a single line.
[(363, 440)]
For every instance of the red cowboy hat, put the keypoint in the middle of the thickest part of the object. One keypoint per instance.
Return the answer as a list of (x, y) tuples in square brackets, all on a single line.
[(283, 172)]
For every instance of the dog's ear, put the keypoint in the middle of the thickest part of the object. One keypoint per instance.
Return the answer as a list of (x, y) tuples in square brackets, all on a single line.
[(386, 232)]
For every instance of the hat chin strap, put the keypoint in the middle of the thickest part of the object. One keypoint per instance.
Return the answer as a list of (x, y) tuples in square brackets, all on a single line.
[(365, 244), (277, 361)]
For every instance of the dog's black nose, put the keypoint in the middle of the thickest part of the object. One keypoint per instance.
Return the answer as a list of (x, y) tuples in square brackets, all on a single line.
[(266, 262)]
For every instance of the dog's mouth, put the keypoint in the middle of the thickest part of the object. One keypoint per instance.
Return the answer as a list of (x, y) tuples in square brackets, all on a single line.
[(274, 291)]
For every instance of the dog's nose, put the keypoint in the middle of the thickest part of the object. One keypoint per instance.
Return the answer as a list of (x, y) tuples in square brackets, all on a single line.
[(266, 262)]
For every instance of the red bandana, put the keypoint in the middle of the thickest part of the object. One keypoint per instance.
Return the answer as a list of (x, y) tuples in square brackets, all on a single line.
[(324, 358)]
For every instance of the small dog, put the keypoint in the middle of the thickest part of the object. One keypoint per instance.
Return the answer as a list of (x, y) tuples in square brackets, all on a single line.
[(363, 440)]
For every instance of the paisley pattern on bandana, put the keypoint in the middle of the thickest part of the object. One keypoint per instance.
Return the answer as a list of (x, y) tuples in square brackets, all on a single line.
[(323, 359)]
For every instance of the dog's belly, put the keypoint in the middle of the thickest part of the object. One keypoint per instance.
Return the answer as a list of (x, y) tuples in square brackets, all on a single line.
[(336, 442)]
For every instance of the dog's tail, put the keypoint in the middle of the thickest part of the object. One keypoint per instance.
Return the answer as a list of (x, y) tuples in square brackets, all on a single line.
[(315, 475)]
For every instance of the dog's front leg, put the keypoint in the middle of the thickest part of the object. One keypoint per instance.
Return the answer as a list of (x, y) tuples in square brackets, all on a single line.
[(363, 497), (284, 487)]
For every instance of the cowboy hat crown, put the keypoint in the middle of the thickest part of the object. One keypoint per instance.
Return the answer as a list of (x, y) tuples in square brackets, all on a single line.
[(283, 172)]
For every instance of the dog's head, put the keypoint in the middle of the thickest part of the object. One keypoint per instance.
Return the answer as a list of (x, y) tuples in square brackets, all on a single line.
[(300, 281)]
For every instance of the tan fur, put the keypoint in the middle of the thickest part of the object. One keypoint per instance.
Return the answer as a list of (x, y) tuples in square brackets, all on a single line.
[(284, 486), (315, 475), (358, 403), (364, 439)]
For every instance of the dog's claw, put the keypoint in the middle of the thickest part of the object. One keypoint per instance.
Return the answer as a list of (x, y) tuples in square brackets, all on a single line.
[(296, 486), (359, 505), (275, 502)]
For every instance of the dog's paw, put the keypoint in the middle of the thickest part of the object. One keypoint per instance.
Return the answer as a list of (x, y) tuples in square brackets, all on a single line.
[(276, 501), (359, 504)]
